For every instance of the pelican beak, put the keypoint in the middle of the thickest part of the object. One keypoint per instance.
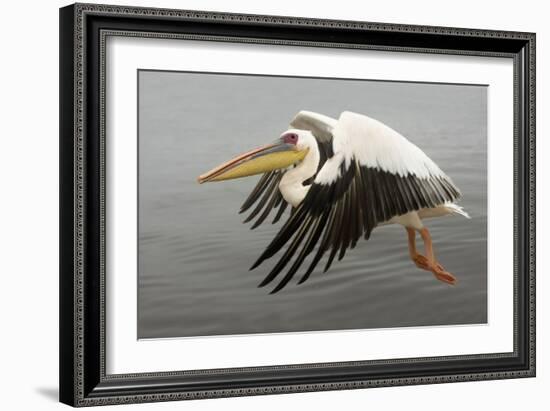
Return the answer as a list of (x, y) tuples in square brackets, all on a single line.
[(273, 156)]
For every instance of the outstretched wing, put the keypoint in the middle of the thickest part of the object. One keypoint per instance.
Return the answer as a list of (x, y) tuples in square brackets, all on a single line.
[(374, 175), (266, 192)]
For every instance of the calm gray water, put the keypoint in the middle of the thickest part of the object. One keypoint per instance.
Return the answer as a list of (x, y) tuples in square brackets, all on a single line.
[(194, 251)]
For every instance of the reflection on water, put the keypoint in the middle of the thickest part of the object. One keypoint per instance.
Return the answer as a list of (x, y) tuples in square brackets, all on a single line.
[(194, 252)]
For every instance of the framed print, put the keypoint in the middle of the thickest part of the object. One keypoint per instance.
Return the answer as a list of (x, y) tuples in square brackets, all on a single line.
[(262, 204)]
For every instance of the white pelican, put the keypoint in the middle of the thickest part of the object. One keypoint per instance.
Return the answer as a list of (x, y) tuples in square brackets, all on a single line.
[(342, 178)]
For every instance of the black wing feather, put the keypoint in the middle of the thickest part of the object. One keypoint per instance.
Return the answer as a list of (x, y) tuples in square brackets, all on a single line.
[(335, 235), (266, 189), (268, 192), (282, 209), (275, 198), (257, 191), (336, 215), (323, 246)]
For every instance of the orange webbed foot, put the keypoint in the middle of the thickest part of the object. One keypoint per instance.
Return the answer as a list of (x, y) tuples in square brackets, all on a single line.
[(442, 275), (422, 262)]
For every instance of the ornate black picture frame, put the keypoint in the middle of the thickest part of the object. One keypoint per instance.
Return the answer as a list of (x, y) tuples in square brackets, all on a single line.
[(83, 30)]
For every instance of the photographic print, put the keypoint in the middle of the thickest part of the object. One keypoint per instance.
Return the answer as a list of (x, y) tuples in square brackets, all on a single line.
[(273, 204), (260, 204)]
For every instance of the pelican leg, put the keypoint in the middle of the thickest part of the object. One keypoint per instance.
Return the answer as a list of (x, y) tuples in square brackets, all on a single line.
[(418, 259), (427, 262), (437, 269)]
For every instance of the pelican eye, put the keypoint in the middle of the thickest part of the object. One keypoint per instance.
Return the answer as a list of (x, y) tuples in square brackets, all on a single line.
[(290, 138)]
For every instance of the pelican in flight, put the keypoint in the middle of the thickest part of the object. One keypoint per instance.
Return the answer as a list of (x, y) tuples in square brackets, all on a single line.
[(342, 179)]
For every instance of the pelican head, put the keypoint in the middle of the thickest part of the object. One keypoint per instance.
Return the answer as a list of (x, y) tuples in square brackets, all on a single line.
[(289, 149)]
